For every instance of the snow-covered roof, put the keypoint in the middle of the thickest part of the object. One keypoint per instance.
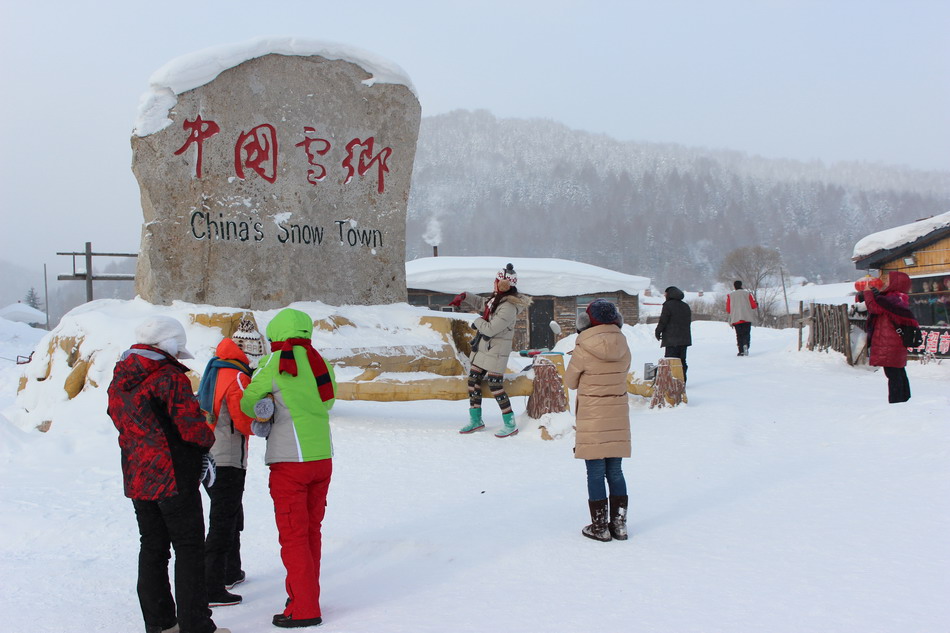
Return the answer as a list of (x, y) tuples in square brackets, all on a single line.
[(536, 276), (22, 313), (198, 68), (899, 235)]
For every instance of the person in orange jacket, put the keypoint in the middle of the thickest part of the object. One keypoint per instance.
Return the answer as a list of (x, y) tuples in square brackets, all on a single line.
[(223, 383)]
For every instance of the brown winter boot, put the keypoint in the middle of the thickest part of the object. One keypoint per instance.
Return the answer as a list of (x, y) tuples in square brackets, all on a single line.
[(618, 517), (598, 529)]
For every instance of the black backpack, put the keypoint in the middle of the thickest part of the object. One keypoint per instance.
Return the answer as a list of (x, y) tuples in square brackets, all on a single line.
[(911, 336)]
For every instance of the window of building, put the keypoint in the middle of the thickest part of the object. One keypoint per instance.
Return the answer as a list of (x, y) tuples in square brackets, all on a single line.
[(585, 300), (930, 299)]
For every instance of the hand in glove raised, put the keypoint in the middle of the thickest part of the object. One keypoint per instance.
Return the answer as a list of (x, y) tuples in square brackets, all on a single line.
[(209, 471), (457, 301)]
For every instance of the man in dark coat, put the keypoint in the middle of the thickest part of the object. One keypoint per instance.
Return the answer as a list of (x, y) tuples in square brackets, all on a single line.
[(673, 330), (164, 441)]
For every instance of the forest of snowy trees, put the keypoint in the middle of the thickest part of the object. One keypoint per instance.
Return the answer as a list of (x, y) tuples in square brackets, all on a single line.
[(535, 188)]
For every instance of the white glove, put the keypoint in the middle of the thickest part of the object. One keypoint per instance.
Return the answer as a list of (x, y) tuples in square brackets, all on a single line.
[(209, 471), (261, 429), (264, 409)]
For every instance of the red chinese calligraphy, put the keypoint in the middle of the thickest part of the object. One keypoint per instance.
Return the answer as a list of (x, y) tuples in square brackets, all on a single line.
[(314, 175), (944, 343), (200, 131), (366, 160), (257, 150), (930, 342)]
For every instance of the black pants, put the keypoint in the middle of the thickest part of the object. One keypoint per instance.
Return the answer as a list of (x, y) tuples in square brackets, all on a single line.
[(176, 522), (678, 351), (898, 387), (743, 336), (225, 522)]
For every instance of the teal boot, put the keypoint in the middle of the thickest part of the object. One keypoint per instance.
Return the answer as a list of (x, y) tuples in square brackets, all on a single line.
[(509, 427), (474, 422)]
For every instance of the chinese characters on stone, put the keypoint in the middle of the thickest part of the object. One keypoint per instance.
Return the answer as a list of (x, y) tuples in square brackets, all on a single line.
[(256, 150)]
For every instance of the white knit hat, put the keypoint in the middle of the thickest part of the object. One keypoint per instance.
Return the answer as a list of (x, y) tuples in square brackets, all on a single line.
[(165, 333)]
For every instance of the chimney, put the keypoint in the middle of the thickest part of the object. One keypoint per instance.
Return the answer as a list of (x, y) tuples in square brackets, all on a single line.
[(435, 250)]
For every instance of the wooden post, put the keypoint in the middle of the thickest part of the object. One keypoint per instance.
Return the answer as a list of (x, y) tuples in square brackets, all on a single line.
[(547, 393), (88, 271), (801, 322), (46, 296), (846, 325)]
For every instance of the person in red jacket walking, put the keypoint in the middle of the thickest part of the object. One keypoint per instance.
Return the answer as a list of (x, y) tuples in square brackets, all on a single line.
[(741, 306), (164, 442), (887, 310)]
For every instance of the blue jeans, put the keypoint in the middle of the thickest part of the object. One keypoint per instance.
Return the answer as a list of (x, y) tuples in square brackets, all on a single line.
[(600, 469)]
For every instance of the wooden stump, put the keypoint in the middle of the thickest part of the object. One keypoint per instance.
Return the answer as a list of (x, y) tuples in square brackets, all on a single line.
[(547, 392), (669, 387)]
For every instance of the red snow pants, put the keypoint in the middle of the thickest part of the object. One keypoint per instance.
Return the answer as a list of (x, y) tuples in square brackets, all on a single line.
[(299, 491)]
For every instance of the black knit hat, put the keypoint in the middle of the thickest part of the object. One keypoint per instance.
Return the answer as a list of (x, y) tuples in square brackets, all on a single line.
[(602, 312)]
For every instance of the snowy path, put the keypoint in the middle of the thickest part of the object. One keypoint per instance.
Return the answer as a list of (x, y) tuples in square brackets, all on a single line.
[(787, 496)]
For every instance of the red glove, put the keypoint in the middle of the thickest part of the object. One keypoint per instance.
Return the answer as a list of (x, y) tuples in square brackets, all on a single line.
[(457, 301)]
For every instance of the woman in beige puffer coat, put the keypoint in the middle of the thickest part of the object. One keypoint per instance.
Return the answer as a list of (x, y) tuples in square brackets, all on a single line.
[(598, 371)]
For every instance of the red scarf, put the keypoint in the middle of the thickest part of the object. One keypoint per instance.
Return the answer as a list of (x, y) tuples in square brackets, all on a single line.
[(288, 364)]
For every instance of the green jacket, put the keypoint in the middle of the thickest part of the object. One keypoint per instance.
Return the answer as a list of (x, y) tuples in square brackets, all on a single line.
[(301, 431)]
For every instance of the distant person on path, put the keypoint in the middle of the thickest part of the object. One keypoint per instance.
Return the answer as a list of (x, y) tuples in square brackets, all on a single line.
[(741, 306), (673, 329), (164, 440), (598, 371), (887, 310), (296, 388), (222, 384), (495, 332)]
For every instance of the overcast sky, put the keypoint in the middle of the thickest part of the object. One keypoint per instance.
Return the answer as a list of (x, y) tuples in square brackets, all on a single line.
[(830, 80)]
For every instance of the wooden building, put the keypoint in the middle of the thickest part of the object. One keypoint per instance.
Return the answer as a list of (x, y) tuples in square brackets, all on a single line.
[(559, 289), (922, 250)]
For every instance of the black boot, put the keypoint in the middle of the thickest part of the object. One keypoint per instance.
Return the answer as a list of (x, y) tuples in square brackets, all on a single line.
[(618, 517), (598, 529)]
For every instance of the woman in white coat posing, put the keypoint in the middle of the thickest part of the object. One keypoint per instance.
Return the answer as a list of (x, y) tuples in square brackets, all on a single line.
[(495, 331)]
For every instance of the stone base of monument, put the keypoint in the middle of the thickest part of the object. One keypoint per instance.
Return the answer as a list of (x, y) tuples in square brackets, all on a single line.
[(393, 365), (406, 354)]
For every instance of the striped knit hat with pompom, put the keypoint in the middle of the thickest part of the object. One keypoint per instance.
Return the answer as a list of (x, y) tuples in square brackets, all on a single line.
[(249, 339)]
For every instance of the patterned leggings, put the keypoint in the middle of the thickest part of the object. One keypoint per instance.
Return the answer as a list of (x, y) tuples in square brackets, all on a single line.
[(496, 385)]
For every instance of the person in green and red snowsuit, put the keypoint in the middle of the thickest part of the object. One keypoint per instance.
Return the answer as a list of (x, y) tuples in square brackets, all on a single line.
[(295, 388)]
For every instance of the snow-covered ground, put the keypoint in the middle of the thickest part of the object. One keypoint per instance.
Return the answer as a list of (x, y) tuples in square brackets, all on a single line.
[(787, 496)]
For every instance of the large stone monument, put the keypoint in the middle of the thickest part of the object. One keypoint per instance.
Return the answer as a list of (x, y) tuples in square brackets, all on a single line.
[(275, 171)]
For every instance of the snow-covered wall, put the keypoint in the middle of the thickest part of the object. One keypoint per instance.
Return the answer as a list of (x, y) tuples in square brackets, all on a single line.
[(536, 276)]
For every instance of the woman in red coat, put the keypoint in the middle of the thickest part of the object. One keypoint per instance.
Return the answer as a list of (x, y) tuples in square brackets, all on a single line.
[(887, 310)]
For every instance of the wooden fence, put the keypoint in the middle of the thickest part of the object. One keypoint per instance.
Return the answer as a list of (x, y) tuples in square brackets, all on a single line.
[(830, 329)]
